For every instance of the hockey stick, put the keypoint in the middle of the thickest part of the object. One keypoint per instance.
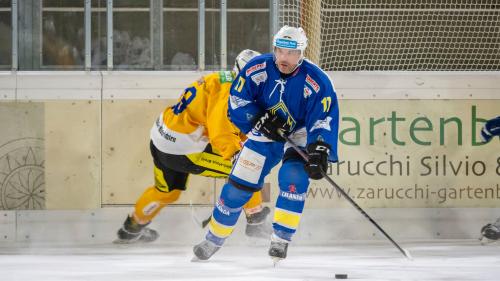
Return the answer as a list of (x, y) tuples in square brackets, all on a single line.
[(197, 221), (406, 253), (206, 221)]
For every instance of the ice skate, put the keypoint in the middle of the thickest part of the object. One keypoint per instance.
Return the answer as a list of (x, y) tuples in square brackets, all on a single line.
[(490, 233), (257, 225), (204, 250), (277, 249), (132, 232)]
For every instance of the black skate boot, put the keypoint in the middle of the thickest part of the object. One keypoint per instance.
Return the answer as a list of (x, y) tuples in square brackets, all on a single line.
[(132, 232), (204, 250), (278, 248), (489, 233), (257, 226)]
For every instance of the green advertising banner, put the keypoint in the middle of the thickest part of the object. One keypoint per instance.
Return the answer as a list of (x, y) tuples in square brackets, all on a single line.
[(413, 153)]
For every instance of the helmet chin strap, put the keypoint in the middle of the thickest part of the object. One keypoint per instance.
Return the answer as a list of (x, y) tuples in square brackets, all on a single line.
[(301, 60)]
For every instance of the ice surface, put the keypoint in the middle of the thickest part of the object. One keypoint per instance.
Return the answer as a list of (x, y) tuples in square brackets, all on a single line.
[(433, 260)]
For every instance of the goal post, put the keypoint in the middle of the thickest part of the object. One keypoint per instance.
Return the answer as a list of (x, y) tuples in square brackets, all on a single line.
[(310, 20)]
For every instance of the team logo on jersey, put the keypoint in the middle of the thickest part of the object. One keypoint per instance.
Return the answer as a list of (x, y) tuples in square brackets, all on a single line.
[(322, 124), (307, 92), (292, 188), (255, 68), (259, 77), (281, 110), (312, 83)]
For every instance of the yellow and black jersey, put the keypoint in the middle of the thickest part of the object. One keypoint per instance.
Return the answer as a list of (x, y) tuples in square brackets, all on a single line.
[(199, 117)]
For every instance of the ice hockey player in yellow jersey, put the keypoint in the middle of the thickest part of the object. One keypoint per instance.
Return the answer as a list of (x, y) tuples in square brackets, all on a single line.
[(194, 136)]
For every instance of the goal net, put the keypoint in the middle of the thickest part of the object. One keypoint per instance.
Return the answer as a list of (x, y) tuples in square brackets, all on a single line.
[(398, 35)]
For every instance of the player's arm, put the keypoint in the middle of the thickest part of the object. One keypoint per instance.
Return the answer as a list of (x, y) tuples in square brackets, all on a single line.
[(322, 123), (243, 109), (491, 129), (223, 135)]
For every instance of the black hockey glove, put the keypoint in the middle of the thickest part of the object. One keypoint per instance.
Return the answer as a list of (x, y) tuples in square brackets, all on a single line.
[(318, 159), (271, 126)]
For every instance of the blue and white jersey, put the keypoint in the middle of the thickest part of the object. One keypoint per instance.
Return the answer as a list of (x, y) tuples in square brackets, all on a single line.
[(306, 99)]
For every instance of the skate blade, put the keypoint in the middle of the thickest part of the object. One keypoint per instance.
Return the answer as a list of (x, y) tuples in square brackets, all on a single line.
[(119, 241), (122, 242), (276, 260), (486, 241), (196, 259)]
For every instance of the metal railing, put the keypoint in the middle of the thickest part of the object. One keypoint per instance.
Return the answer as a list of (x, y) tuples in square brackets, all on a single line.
[(27, 43)]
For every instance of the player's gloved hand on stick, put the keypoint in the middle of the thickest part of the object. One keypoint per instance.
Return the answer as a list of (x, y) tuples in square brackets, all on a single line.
[(318, 159), (271, 126)]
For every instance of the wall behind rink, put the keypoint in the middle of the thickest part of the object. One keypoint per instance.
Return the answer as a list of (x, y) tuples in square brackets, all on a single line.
[(80, 140)]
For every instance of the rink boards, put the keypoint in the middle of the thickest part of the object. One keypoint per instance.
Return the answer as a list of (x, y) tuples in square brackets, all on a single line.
[(408, 147), (177, 226)]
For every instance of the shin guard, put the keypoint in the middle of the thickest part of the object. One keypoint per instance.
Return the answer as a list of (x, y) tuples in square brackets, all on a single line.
[(226, 213), (151, 202), (293, 183)]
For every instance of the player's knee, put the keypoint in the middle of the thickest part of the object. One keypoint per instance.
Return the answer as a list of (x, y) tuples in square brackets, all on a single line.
[(234, 197), (166, 197), (292, 173)]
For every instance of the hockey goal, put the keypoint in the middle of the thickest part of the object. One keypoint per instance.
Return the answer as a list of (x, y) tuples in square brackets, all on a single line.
[(405, 35)]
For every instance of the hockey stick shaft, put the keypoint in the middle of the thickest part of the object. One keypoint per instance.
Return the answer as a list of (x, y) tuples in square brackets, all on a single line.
[(348, 198)]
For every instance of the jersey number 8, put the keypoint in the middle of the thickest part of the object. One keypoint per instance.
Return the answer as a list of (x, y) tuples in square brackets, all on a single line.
[(186, 98)]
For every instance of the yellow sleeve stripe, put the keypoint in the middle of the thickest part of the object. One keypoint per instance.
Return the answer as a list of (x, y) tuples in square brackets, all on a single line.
[(219, 230), (286, 218)]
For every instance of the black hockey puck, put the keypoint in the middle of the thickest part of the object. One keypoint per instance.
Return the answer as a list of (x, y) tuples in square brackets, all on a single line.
[(340, 276)]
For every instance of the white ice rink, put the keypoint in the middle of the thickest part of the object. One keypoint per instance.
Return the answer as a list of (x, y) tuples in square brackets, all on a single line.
[(432, 260), (76, 245)]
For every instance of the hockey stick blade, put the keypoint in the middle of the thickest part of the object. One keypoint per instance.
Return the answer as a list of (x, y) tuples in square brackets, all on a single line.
[(206, 221), (201, 223)]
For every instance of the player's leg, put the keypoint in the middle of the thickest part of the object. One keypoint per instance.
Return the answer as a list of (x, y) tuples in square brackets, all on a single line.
[(256, 215), (210, 164), (168, 186), (254, 162), (224, 217), (293, 183)]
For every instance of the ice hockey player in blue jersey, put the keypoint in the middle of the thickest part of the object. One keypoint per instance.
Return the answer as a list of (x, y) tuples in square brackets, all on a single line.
[(275, 94), (491, 231)]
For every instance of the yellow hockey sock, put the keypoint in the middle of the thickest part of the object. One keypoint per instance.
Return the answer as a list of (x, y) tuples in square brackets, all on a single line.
[(151, 202)]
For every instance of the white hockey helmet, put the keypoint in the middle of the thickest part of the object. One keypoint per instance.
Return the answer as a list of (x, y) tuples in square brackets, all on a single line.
[(293, 38), (243, 58)]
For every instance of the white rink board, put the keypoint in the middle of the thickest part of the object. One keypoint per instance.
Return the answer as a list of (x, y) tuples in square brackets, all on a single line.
[(96, 85), (176, 225)]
